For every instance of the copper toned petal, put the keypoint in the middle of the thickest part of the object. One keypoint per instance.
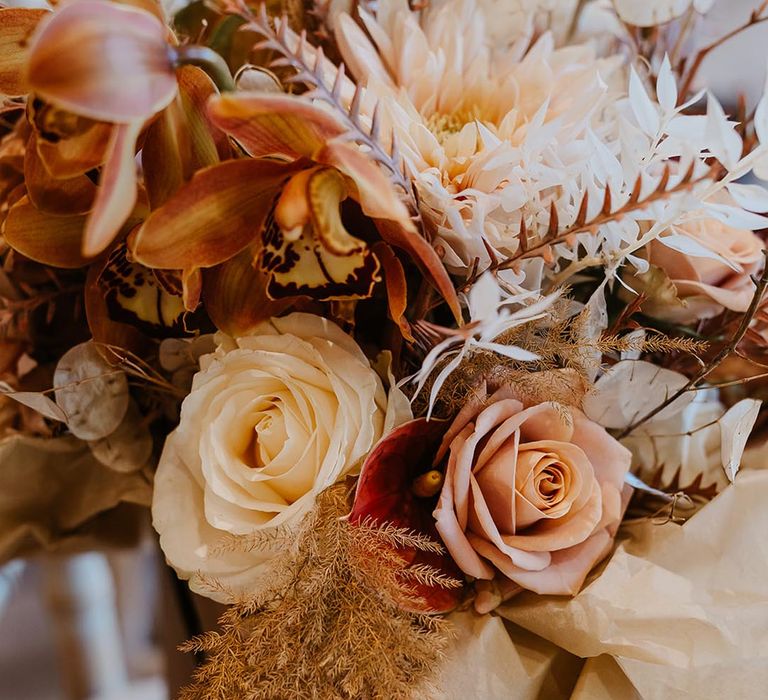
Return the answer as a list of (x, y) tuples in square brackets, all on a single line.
[(16, 26), (214, 216), (117, 193), (235, 295), (51, 240), (268, 124), (62, 196)]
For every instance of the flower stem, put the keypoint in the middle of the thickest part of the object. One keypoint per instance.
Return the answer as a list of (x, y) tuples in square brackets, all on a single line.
[(207, 59)]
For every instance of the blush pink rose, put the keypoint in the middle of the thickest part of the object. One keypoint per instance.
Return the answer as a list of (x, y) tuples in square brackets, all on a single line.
[(705, 286), (532, 496)]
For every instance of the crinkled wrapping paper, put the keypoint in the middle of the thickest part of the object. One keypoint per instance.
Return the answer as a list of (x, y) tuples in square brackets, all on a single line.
[(677, 612), (55, 495)]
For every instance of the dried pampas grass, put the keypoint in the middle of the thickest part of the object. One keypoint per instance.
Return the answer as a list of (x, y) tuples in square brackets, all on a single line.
[(328, 626)]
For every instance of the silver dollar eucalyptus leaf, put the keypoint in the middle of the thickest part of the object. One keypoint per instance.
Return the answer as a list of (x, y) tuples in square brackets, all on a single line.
[(91, 392), (129, 448)]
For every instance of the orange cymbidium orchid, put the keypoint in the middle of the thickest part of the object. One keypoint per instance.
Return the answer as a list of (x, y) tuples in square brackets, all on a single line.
[(60, 214), (97, 71), (284, 206)]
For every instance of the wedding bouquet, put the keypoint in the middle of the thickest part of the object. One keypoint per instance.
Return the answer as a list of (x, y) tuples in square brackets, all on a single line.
[(432, 332)]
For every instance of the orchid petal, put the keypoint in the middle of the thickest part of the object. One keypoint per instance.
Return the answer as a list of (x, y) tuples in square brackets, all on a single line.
[(103, 328), (268, 124), (320, 258), (426, 259), (235, 295), (117, 191), (182, 139), (62, 196), (375, 191), (103, 60), (397, 288), (45, 238), (70, 154), (213, 217)]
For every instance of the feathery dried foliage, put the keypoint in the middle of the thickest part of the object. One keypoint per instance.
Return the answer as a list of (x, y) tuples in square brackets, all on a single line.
[(544, 245), (328, 625), (566, 352)]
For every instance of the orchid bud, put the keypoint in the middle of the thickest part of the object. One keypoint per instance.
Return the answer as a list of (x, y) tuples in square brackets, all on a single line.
[(102, 60)]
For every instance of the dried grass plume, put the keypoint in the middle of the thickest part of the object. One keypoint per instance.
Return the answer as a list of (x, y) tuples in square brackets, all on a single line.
[(328, 625)]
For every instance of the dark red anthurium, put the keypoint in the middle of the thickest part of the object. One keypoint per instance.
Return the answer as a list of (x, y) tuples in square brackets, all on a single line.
[(385, 494)]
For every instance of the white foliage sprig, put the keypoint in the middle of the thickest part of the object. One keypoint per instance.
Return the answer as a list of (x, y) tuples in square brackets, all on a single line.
[(492, 314)]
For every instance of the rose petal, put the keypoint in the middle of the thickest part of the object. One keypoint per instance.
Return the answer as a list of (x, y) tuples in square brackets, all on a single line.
[(609, 458), (496, 479), (178, 498), (568, 568), (451, 531), (561, 533)]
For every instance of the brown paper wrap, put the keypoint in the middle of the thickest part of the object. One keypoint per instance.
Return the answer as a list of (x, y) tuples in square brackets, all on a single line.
[(677, 612), (55, 495)]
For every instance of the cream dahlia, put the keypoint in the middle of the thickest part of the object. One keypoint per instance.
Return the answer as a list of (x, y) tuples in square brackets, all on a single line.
[(492, 132)]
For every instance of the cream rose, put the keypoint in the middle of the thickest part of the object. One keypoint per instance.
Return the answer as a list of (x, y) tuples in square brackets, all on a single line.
[(272, 419), (706, 286), (532, 496)]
